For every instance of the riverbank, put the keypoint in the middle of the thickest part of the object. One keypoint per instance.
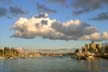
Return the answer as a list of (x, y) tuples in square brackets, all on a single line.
[(103, 56)]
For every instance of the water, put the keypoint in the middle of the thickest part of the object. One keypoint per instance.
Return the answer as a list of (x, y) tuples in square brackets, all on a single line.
[(52, 64)]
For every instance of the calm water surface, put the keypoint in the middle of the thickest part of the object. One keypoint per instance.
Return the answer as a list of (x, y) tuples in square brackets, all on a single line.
[(52, 64)]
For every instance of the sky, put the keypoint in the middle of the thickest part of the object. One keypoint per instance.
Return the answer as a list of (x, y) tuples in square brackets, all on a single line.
[(52, 24)]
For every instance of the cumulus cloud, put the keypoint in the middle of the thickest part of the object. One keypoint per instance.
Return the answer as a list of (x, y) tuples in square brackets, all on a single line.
[(44, 8), (73, 29), (101, 16), (96, 36), (45, 27)]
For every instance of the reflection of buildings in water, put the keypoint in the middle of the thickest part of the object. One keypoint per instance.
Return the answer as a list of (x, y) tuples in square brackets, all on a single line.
[(1, 65), (93, 66), (8, 65)]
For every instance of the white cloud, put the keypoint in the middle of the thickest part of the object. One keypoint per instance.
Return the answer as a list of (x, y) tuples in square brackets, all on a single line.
[(43, 26), (104, 35), (96, 36)]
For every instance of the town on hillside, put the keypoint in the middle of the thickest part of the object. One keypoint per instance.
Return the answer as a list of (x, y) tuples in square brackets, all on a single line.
[(92, 51)]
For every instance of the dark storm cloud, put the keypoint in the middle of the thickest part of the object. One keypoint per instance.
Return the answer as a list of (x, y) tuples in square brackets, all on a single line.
[(74, 31), (14, 10), (1, 0), (44, 8), (3, 12), (61, 2), (101, 16), (86, 9), (77, 12), (57, 1), (11, 12), (83, 6), (6, 1)]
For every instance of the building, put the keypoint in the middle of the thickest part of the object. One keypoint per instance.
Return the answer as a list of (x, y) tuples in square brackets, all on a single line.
[(92, 47)]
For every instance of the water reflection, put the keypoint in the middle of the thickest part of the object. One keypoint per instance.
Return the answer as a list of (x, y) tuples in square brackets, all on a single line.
[(9, 65), (51, 64), (93, 66)]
